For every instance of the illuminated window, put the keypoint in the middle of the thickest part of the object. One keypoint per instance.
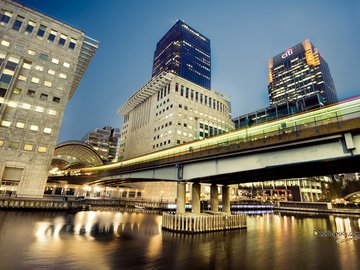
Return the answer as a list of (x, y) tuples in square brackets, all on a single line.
[(1, 142), (41, 149), (47, 130), (27, 65), (26, 106), (22, 78), (28, 147), (34, 127), (39, 68), (66, 64), (55, 61), (30, 27), (51, 72), (17, 91), (48, 84), (62, 75), (5, 43), (39, 109), (31, 52), (52, 112), (5, 123), (12, 104), (35, 80)]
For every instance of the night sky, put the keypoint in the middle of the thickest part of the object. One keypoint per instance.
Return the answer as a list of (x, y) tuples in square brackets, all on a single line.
[(243, 34)]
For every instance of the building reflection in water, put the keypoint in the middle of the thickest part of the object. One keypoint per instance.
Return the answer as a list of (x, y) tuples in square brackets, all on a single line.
[(116, 240)]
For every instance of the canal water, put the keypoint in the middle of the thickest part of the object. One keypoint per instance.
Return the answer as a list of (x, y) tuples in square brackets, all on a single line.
[(117, 240)]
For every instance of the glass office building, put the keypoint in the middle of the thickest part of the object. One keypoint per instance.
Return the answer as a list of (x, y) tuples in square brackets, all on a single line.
[(184, 52), (300, 74)]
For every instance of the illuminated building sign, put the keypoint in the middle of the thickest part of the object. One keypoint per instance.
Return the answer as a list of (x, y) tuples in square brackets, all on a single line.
[(287, 53)]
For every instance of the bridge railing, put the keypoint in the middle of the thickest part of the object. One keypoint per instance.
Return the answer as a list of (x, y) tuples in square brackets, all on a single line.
[(259, 133)]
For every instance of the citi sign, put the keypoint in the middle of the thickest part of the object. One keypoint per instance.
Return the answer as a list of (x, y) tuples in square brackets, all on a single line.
[(287, 53)]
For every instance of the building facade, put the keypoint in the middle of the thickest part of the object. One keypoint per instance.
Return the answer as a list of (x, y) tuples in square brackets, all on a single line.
[(42, 61), (166, 112), (300, 74), (169, 111), (186, 53), (105, 141)]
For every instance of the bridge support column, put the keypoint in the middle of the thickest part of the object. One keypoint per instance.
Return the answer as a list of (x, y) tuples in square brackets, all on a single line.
[(226, 199), (195, 201), (214, 198), (180, 200)]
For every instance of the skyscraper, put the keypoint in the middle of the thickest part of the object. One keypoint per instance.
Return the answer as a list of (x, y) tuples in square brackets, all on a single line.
[(184, 52), (42, 61), (300, 74), (104, 141)]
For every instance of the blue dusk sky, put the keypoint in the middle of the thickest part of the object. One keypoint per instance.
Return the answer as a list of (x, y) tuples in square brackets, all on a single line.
[(243, 34)]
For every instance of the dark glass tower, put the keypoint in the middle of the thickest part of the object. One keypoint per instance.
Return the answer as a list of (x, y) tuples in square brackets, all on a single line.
[(300, 75), (184, 52)]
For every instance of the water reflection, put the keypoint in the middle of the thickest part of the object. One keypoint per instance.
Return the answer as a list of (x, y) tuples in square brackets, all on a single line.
[(116, 240)]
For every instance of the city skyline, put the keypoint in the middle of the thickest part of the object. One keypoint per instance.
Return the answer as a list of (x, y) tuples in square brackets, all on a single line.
[(128, 33)]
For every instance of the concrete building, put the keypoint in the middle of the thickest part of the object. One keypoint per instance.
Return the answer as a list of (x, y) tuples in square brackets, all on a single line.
[(42, 61), (105, 141), (169, 111)]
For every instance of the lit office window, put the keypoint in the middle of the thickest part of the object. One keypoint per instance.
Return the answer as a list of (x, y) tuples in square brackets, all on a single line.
[(26, 106), (41, 149), (17, 91), (31, 52), (52, 112), (22, 78), (28, 147), (55, 61), (27, 65), (5, 123), (5, 43), (39, 68), (39, 109), (47, 130), (66, 64), (1, 142), (51, 72), (62, 75), (34, 127), (35, 80), (12, 104), (48, 84)]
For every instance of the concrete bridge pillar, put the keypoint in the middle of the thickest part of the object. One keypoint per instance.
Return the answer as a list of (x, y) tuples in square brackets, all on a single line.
[(180, 200), (226, 199), (195, 201), (214, 198)]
